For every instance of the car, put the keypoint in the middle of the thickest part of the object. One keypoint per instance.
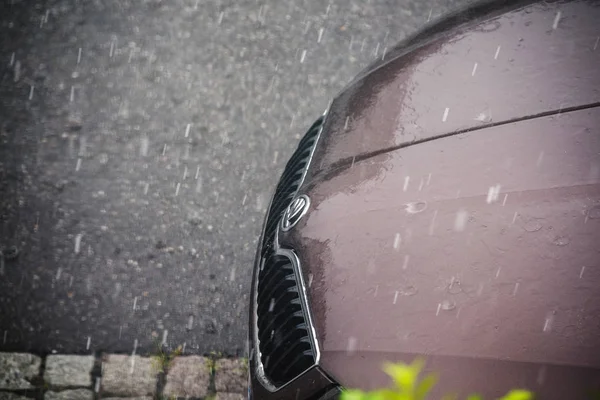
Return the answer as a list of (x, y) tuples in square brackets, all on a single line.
[(445, 205)]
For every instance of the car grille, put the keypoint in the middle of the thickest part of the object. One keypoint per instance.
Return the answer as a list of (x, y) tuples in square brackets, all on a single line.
[(284, 338), (290, 181), (285, 344)]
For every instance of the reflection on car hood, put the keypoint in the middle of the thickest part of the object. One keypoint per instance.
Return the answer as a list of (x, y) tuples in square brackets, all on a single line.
[(478, 248)]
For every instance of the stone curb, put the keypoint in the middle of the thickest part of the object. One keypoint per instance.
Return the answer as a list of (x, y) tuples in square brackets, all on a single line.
[(24, 376)]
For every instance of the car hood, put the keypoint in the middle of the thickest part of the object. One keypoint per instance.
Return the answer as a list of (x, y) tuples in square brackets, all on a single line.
[(477, 249), (458, 76)]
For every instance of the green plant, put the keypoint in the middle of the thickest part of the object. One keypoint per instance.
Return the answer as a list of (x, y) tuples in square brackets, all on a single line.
[(409, 386), (244, 366), (211, 364), (162, 360)]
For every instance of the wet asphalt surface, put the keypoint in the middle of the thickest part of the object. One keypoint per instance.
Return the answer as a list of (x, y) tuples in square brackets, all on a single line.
[(139, 144)]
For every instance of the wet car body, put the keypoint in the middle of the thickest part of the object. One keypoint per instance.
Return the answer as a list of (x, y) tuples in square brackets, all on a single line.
[(446, 205)]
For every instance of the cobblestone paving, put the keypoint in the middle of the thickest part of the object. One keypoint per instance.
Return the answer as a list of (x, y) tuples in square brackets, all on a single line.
[(116, 376)]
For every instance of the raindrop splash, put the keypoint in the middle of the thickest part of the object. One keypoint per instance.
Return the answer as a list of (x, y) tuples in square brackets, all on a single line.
[(406, 259), (321, 30), (415, 207), (78, 243), (493, 193), (460, 222), (132, 367), (397, 241), (272, 305), (548, 323), (556, 20), (432, 225), (515, 215), (445, 116), (514, 293), (352, 343), (541, 377), (540, 159), (144, 142)]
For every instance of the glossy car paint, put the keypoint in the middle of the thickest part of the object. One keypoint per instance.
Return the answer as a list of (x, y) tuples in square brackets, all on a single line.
[(490, 253), (455, 207), (502, 69)]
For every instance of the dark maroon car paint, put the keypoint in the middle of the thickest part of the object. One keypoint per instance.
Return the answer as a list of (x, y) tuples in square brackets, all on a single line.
[(455, 209)]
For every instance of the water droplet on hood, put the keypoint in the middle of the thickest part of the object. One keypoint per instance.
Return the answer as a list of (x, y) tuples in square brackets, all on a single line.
[(561, 240), (409, 290), (447, 305), (415, 207), (594, 212), (533, 225)]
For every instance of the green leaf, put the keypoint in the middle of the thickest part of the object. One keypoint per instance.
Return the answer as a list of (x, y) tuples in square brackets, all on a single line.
[(518, 394), (353, 394), (425, 386), (387, 394), (403, 375)]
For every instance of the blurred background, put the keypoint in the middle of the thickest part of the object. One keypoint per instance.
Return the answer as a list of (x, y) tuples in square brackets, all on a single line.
[(140, 141)]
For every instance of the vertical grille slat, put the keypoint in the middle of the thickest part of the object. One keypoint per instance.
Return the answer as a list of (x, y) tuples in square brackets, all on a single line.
[(284, 341)]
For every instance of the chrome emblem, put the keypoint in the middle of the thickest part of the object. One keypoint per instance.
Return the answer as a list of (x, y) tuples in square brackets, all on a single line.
[(296, 210)]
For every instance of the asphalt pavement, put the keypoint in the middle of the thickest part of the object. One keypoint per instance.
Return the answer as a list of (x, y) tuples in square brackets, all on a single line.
[(140, 141)]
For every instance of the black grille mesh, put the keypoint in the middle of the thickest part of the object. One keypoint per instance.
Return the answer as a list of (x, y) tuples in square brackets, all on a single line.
[(289, 183), (286, 349), (285, 345)]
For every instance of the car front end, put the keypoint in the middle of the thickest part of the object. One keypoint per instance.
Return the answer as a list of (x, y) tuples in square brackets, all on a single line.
[(446, 205)]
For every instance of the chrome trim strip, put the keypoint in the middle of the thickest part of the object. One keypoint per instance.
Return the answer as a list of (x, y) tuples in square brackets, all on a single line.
[(260, 371), (312, 152)]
